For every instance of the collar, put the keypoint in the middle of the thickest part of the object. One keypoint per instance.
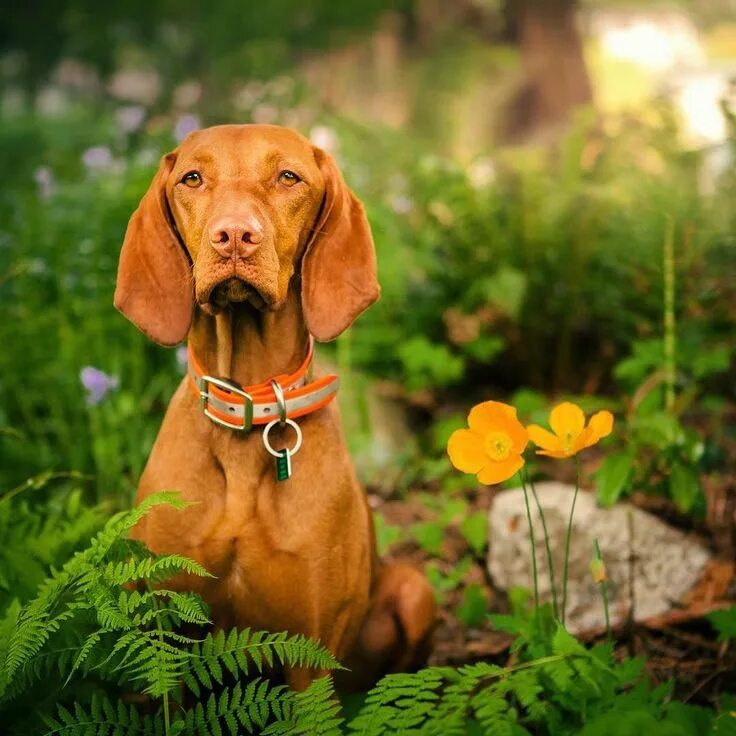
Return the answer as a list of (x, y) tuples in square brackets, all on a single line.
[(237, 407)]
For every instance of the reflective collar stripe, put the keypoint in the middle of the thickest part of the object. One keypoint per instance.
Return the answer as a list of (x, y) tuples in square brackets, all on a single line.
[(227, 408)]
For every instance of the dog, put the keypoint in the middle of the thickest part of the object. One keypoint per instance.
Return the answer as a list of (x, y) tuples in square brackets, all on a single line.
[(249, 244)]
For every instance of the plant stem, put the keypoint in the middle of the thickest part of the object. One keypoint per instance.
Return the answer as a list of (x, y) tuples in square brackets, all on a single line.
[(156, 605), (669, 316), (533, 543), (604, 590), (568, 538), (550, 563)]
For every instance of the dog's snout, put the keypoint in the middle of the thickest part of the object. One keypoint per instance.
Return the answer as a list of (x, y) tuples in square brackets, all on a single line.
[(240, 237)]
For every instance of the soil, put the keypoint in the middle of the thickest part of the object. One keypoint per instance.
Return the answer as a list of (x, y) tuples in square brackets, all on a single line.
[(680, 646)]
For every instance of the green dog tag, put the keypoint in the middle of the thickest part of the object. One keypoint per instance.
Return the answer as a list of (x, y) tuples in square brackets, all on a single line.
[(283, 465)]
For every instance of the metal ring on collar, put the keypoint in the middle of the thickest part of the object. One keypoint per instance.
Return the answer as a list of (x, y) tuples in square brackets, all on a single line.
[(271, 425), (280, 401)]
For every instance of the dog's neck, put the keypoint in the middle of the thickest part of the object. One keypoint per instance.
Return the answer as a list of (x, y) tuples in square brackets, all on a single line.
[(248, 345)]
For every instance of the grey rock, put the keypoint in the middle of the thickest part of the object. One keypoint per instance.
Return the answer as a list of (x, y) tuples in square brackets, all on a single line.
[(640, 551)]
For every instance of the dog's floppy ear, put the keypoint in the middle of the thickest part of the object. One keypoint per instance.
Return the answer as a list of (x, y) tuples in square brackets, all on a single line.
[(339, 266), (154, 288)]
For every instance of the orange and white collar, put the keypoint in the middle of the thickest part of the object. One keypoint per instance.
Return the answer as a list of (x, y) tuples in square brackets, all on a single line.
[(237, 407)]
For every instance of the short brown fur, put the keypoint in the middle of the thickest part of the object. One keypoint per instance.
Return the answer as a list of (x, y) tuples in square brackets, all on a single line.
[(299, 555)]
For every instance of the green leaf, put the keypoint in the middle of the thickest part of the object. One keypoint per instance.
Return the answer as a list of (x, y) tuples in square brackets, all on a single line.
[(474, 605), (612, 477), (386, 534), (684, 487), (428, 364), (485, 347), (474, 529), (724, 622), (429, 536)]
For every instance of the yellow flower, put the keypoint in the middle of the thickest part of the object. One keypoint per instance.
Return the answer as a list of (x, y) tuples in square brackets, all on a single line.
[(571, 435), (492, 447)]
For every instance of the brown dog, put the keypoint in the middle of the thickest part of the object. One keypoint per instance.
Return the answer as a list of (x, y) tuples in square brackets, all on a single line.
[(248, 241)]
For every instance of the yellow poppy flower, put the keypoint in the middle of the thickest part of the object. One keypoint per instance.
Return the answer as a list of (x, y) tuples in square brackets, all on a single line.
[(571, 435), (492, 446)]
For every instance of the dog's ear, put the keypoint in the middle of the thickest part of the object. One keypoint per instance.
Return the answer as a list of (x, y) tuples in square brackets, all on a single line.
[(339, 265), (154, 289)]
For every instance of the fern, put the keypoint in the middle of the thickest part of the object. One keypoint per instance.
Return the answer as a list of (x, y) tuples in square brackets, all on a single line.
[(106, 615), (313, 712), (103, 623), (240, 651)]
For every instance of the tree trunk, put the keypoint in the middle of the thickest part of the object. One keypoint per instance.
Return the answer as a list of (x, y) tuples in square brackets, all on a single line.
[(553, 63)]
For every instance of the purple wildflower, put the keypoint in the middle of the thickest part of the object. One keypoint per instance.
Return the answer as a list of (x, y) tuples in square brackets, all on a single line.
[(97, 158), (130, 118), (97, 384), (185, 125)]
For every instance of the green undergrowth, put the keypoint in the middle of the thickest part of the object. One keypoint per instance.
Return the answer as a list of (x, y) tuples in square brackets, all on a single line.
[(102, 646)]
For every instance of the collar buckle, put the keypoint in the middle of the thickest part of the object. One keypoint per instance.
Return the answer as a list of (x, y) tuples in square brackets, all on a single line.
[(228, 386)]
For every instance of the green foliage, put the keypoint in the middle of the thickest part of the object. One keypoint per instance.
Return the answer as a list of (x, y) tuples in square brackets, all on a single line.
[(33, 537), (570, 690), (662, 454), (105, 620), (474, 528), (724, 622), (473, 606)]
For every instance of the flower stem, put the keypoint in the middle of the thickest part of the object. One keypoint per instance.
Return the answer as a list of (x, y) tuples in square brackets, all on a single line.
[(533, 543), (568, 538), (550, 562), (604, 591), (669, 316)]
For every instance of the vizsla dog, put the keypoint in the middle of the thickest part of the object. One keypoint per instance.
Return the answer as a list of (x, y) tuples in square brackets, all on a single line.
[(249, 243)]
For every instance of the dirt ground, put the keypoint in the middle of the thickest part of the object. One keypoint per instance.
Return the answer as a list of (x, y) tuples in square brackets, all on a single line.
[(680, 645)]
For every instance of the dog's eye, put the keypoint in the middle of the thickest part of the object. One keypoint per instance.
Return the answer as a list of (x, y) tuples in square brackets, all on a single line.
[(192, 179), (288, 178)]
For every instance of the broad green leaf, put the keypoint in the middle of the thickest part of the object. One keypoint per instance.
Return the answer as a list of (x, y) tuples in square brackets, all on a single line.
[(474, 528), (684, 487), (612, 477), (429, 535), (724, 622), (474, 605)]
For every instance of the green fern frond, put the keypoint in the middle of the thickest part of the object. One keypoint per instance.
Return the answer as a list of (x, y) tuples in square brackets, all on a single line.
[(400, 701), (152, 569), (238, 710), (314, 712), (241, 651), (103, 718)]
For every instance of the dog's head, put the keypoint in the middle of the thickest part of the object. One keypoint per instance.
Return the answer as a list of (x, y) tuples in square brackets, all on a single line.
[(231, 215)]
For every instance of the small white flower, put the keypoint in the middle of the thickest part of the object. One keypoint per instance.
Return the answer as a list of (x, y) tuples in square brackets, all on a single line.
[(245, 97), (75, 75), (135, 86), (51, 101), (182, 356), (324, 137), (481, 173), (265, 113), (187, 94), (402, 205), (44, 178)]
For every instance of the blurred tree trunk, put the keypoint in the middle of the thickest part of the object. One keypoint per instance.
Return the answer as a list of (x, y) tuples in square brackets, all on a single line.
[(552, 60)]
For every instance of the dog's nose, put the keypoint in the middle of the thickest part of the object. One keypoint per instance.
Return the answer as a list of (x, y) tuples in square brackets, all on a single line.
[(241, 238)]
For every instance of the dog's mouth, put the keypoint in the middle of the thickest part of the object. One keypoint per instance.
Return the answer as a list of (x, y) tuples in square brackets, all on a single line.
[(234, 290)]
